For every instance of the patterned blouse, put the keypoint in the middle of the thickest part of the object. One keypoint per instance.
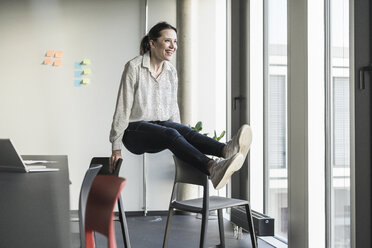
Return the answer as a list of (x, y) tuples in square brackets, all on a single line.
[(142, 97)]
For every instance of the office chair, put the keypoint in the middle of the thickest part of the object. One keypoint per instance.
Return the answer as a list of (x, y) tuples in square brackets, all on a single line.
[(99, 215), (84, 191), (105, 162), (186, 173)]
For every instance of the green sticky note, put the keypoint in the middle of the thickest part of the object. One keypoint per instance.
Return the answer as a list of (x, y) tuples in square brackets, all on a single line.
[(87, 71), (86, 62), (85, 81)]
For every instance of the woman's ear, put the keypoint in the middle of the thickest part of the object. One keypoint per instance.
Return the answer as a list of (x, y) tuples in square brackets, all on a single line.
[(152, 43)]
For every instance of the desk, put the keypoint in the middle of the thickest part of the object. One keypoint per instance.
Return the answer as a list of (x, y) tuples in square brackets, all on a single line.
[(34, 207)]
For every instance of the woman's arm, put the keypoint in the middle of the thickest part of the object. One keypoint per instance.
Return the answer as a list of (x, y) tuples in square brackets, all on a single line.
[(175, 117), (123, 108)]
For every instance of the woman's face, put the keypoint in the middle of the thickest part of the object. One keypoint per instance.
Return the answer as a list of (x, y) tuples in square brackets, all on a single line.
[(165, 46)]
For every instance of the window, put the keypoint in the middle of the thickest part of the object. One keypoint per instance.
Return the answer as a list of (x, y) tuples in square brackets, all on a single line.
[(338, 112), (277, 132), (341, 122), (275, 90)]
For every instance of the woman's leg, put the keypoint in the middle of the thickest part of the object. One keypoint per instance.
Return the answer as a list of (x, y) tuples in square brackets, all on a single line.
[(204, 144), (142, 136)]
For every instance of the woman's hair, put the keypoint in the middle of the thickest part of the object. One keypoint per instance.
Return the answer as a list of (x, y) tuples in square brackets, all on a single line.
[(154, 34)]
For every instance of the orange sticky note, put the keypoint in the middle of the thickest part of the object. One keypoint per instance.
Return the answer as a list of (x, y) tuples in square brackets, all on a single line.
[(57, 62), (47, 61), (49, 53), (58, 54)]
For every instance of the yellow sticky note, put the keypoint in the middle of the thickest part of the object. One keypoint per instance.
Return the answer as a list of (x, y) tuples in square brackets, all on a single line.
[(85, 81), (47, 61), (86, 62), (49, 53), (87, 71), (58, 54), (57, 62)]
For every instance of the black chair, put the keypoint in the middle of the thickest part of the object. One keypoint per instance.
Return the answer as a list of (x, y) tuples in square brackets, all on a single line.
[(105, 162), (84, 192), (186, 173)]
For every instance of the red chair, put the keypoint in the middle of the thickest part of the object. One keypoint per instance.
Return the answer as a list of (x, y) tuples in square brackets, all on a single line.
[(99, 215)]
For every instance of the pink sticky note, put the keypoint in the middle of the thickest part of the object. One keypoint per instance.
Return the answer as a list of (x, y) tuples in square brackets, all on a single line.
[(47, 61), (58, 54), (57, 62)]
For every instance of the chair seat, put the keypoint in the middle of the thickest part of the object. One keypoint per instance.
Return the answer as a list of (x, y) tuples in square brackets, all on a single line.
[(215, 203), (187, 173)]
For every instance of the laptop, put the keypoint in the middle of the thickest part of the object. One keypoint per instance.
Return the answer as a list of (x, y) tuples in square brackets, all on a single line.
[(11, 161)]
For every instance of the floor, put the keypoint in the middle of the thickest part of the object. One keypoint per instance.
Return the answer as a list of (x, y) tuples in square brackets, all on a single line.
[(148, 232)]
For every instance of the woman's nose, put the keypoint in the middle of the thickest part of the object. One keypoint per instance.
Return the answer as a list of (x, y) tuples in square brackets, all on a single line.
[(173, 45)]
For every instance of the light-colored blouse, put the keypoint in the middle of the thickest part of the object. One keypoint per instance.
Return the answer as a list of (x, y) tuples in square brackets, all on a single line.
[(142, 97)]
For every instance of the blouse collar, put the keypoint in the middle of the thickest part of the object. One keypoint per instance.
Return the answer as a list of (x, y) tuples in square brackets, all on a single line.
[(146, 62)]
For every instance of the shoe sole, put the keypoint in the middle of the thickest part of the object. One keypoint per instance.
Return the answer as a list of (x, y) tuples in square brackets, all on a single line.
[(245, 139), (236, 164)]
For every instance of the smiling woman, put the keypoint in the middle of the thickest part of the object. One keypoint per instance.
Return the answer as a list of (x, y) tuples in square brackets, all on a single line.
[(147, 118)]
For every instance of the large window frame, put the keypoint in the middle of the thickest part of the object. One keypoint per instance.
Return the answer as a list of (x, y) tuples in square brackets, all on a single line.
[(275, 119), (337, 174)]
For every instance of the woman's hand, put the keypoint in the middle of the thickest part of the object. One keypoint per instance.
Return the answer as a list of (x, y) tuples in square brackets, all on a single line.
[(116, 154)]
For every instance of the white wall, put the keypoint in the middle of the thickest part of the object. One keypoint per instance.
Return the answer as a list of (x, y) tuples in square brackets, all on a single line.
[(42, 111)]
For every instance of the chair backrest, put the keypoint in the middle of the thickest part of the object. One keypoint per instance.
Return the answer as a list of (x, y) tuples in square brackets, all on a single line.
[(186, 173), (103, 196), (105, 162), (84, 192)]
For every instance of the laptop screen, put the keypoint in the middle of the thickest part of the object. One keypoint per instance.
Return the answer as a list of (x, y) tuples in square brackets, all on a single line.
[(8, 155)]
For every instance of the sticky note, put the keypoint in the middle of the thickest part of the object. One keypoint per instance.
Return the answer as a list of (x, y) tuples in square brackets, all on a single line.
[(77, 83), (77, 74), (57, 62), (49, 53), (86, 62), (85, 81), (58, 54), (77, 65), (47, 61), (87, 71)]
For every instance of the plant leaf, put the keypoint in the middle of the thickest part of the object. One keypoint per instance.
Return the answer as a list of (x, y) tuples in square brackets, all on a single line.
[(199, 126), (221, 135)]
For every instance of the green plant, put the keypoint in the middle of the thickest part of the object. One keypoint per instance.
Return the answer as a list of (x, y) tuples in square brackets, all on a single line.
[(199, 127)]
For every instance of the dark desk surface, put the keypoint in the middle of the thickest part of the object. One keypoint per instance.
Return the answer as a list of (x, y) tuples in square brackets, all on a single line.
[(34, 207)]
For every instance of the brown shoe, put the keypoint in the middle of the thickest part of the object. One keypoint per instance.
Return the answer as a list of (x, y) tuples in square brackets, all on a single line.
[(240, 143), (222, 170)]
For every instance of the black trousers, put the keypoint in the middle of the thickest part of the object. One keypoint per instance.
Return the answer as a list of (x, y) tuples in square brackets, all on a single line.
[(187, 144)]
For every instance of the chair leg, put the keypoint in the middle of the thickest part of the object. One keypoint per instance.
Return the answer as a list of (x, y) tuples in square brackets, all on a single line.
[(204, 228), (82, 231), (167, 228), (89, 238), (123, 223), (111, 240), (221, 228), (250, 226)]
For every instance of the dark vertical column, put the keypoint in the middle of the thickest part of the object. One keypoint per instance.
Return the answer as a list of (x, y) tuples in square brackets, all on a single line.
[(240, 85), (362, 57)]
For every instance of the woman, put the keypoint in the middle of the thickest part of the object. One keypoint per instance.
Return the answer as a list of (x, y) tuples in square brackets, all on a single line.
[(146, 117)]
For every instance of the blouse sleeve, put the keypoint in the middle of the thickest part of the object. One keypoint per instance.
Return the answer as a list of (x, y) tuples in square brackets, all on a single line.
[(175, 117), (124, 105)]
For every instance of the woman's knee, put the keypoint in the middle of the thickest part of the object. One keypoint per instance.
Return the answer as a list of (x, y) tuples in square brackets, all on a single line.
[(172, 134), (184, 130)]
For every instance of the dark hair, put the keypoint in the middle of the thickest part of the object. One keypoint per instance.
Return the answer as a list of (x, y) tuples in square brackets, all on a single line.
[(154, 34)]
